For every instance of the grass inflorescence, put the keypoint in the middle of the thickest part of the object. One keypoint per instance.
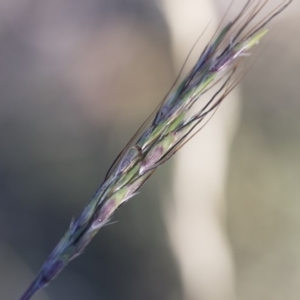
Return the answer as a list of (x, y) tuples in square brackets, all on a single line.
[(167, 129)]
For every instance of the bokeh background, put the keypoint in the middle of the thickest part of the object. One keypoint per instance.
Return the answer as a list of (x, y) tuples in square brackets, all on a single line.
[(77, 78)]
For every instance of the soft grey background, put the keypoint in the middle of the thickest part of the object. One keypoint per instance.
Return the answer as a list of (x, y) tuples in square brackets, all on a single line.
[(76, 79)]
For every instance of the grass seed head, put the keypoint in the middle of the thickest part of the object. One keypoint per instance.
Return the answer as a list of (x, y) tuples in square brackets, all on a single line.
[(165, 133)]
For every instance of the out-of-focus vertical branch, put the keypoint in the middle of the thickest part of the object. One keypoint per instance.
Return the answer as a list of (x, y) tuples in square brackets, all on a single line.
[(196, 222)]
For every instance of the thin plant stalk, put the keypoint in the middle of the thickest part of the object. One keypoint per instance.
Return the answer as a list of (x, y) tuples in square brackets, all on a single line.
[(168, 128)]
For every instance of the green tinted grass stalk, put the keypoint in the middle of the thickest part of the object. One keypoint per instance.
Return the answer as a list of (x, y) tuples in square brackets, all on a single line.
[(163, 135)]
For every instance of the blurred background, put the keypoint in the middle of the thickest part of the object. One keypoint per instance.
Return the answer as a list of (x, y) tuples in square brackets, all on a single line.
[(220, 221)]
